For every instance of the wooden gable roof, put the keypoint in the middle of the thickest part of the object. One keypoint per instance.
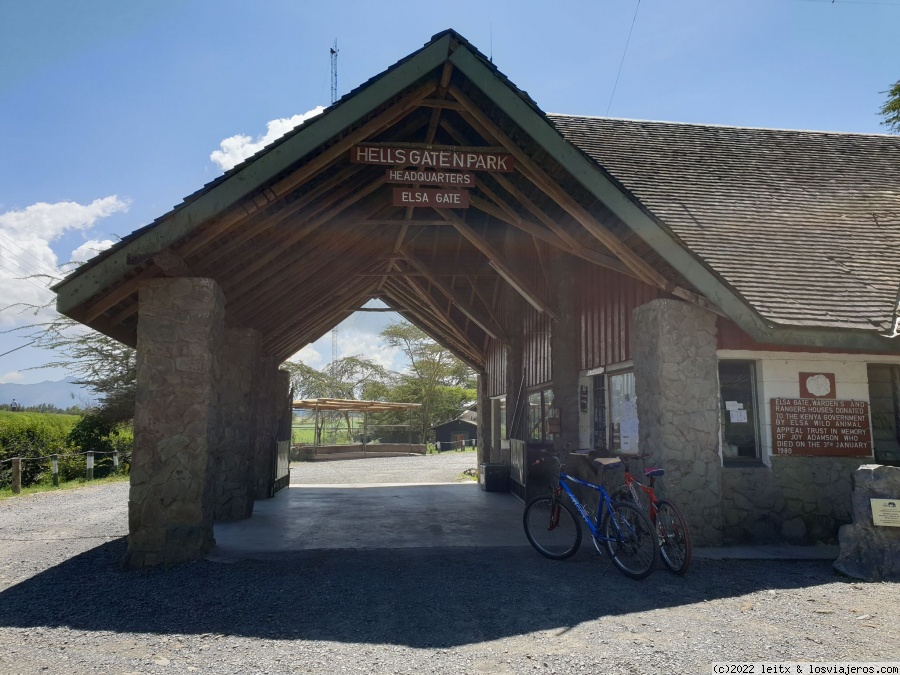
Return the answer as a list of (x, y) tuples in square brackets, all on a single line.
[(299, 237)]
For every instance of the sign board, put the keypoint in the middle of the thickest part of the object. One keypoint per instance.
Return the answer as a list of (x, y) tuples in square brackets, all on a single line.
[(820, 427), (458, 179), (433, 197), (434, 157), (886, 512)]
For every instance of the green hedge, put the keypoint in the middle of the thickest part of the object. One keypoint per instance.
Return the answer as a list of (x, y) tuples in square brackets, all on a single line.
[(32, 435)]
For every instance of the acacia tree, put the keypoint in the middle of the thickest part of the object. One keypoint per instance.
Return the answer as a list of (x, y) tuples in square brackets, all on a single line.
[(891, 108), (348, 378), (435, 378), (105, 366)]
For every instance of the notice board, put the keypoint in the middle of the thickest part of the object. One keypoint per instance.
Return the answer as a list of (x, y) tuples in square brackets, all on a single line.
[(821, 427)]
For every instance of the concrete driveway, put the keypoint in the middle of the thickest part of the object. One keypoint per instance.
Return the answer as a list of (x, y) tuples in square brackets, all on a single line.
[(304, 518)]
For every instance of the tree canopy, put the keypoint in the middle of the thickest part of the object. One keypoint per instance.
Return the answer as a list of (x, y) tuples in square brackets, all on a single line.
[(436, 379), (891, 108)]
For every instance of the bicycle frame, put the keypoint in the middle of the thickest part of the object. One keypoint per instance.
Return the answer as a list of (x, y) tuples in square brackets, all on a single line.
[(605, 504), (633, 484)]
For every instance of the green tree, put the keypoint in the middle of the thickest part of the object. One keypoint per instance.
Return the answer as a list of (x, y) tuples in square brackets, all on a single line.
[(105, 366), (347, 378), (891, 108), (435, 378)]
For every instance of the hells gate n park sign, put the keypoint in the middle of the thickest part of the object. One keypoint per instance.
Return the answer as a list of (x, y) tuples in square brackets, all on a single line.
[(435, 165)]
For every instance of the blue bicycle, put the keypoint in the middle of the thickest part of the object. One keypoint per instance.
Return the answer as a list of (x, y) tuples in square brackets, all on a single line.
[(555, 532)]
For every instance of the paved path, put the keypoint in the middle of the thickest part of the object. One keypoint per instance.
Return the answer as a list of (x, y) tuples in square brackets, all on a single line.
[(446, 467)]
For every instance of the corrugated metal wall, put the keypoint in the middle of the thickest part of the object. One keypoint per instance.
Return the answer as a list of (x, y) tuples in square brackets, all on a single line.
[(605, 303), (536, 347), (496, 368)]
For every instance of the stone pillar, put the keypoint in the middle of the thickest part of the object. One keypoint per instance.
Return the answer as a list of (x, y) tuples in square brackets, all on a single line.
[(869, 551), (485, 434), (564, 345), (234, 485), (265, 426), (170, 505), (677, 384), (516, 408)]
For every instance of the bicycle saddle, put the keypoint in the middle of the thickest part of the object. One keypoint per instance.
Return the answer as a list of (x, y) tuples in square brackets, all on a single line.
[(651, 473)]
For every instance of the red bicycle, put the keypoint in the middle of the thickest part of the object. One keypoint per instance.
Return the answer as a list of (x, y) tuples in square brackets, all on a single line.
[(674, 540)]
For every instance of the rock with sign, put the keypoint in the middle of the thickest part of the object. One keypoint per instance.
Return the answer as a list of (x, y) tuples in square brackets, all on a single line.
[(868, 550)]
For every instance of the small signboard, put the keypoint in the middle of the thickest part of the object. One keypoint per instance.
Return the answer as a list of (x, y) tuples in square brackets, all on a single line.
[(821, 427), (434, 157), (457, 179), (886, 512), (433, 197)]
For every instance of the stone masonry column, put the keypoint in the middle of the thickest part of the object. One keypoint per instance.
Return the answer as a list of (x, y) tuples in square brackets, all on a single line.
[(234, 485), (264, 429), (485, 450), (564, 345), (677, 384), (170, 505)]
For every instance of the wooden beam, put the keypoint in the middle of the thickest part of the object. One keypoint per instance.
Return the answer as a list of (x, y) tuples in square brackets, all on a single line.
[(529, 168), (521, 285), (474, 363), (486, 322), (569, 243)]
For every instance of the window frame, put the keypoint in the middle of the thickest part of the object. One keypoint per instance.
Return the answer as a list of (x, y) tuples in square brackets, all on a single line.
[(752, 408)]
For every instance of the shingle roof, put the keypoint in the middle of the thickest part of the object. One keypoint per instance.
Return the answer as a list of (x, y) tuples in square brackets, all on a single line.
[(804, 225)]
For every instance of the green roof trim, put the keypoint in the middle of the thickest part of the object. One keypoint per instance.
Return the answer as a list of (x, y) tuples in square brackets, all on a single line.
[(81, 286), (627, 208)]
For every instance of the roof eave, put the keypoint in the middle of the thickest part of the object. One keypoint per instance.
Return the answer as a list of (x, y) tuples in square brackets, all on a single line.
[(82, 285), (639, 219)]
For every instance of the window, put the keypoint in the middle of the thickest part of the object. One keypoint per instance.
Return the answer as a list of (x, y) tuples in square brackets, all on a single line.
[(622, 412), (539, 412), (737, 389), (884, 406), (599, 434), (498, 420)]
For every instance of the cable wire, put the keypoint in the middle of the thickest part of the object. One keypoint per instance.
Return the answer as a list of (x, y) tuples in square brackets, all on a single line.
[(624, 52)]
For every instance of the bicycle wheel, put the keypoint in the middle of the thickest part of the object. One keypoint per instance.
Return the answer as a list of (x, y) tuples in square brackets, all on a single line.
[(554, 535), (634, 545), (674, 540)]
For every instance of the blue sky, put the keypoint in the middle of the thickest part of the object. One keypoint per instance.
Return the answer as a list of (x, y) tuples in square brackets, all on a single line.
[(110, 111)]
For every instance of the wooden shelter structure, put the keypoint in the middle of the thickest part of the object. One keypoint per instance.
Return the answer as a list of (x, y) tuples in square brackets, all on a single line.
[(342, 405), (545, 251)]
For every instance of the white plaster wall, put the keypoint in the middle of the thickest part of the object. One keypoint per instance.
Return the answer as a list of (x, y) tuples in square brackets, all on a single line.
[(778, 376)]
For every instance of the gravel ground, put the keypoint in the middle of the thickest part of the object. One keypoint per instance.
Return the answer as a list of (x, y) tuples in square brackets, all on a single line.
[(443, 468), (67, 606)]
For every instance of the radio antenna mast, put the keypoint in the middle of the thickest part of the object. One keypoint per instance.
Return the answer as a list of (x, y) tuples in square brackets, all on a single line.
[(334, 96), (334, 55)]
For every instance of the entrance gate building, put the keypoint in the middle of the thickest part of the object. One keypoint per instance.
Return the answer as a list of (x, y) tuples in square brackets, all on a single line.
[(594, 273)]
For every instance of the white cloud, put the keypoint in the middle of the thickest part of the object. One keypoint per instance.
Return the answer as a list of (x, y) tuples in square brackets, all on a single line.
[(368, 345), (309, 356), (89, 249), (236, 149), (49, 221), (12, 376), (28, 265)]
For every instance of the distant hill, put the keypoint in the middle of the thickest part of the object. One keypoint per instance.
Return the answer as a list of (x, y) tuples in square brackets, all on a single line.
[(62, 394)]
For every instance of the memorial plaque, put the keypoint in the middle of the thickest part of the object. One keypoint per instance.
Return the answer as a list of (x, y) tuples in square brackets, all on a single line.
[(820, 427)]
